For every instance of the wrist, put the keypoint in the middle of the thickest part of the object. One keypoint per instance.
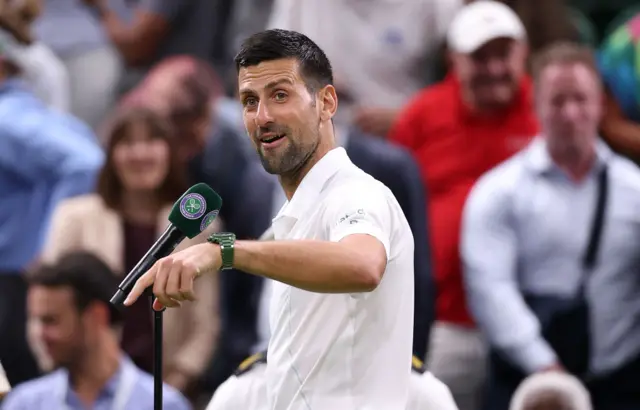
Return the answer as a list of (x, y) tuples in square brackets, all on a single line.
[(225, 241)]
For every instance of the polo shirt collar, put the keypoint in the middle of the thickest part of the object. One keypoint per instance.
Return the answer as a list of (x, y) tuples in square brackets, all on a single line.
[(539, 160), (110, 388), (312, 184)]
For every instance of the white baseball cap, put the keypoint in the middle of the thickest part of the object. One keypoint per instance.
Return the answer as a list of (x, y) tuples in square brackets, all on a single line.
[(480, 22)]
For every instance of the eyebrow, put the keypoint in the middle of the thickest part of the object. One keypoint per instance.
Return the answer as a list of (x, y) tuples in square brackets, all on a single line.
[(271, 85)]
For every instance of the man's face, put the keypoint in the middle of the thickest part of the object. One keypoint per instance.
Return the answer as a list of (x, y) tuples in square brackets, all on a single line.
[(490, 75), (569, 103), (280, 114), (53, 312)]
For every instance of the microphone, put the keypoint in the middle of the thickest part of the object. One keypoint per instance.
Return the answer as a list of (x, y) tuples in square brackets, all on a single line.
[(191, 214)]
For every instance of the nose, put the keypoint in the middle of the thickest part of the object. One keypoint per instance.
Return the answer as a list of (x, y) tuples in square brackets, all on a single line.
[(263, 116), (139, 149), (570, 111), (496, 66)]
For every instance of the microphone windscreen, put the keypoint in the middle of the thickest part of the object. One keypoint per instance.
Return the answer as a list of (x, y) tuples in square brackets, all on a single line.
[(195, 210)]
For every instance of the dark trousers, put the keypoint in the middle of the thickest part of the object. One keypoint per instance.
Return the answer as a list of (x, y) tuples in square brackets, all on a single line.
[(15, 355), (616, 391)]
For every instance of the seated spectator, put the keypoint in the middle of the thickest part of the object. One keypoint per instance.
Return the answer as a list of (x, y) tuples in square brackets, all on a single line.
[(382, 53), (45, 157), (137, 187), (458, 129), (155, 30), (551, 391), (549, 247), (94, 68), (43, 71), (619, 65), (246, 388), (79, 327)]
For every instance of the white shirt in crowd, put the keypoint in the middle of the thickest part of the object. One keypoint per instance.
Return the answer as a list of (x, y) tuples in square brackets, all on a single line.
[(247, 390), (343, 351)]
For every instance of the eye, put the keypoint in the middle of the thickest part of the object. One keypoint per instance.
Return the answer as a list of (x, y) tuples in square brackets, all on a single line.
[(280, 96), (249, 101)]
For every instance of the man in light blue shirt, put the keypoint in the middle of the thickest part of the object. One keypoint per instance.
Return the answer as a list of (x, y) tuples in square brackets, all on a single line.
[(69, 305), (45, 157), (526, 227)]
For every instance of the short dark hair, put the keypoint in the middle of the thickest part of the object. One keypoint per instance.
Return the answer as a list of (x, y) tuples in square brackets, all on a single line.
[(277, 44), (90, 279), (561, 53), (110, 187)]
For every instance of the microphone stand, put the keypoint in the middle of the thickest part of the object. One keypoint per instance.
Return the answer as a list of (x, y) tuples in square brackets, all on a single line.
[(157, 354)]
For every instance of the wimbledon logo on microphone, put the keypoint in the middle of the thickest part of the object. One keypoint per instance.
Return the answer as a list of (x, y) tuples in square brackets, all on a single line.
[(193, 206), (206, 221)]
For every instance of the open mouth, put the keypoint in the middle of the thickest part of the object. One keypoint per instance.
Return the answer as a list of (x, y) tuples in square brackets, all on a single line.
[(272, 139)]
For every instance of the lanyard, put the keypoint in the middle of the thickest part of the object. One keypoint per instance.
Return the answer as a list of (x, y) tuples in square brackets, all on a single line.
[(125, 387)]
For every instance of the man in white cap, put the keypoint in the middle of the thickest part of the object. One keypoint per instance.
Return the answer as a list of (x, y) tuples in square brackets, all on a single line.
[(458, 129)]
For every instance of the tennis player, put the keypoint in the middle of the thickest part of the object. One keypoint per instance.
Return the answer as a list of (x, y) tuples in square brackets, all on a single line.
[(341, 311)]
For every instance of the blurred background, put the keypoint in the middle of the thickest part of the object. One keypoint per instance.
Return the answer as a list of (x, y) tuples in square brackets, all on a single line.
[(110, 109)]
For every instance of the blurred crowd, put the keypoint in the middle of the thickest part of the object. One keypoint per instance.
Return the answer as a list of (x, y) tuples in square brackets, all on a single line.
[(481, 116)]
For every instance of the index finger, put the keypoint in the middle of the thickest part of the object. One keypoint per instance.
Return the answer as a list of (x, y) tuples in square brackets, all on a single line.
[(141, 285)]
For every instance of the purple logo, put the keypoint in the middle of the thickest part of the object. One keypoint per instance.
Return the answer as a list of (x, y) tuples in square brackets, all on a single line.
[(193, 206), (208, 219)]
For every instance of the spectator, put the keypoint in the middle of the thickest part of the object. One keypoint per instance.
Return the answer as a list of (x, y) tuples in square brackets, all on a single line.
[(43, 71), (69, 29), (551, 391), (70, 302), (480, 115), (426, 392), (157, 29), (45, 157), (139, 183), (382, 53), (567, 205), (619, 65)]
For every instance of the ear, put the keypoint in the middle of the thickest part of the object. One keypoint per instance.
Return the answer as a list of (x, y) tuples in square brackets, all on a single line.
[(328, 102)]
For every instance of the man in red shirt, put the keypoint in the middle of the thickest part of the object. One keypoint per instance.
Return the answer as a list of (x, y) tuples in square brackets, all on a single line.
[(458, 129)]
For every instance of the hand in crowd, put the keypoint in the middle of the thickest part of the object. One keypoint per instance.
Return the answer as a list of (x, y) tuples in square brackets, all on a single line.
[(172, 277)]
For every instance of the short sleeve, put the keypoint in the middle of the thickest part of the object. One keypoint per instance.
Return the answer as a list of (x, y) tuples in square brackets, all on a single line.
[(364, 209)]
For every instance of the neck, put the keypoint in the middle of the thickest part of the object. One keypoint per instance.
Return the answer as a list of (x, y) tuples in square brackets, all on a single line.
[(140, 207), (575, 161), (89, 376), (291, 180)]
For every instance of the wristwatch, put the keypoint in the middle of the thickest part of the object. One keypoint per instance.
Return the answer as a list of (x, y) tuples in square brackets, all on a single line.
[(226, 241)]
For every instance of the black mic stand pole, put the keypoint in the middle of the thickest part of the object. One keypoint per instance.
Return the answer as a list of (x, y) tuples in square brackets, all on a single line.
[(157, 354)]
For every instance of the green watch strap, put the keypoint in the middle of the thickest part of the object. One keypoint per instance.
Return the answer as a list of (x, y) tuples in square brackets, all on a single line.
[(226, 241)]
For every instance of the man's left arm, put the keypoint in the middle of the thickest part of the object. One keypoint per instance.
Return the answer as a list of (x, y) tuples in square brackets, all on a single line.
[(138, 42), (352, 260)]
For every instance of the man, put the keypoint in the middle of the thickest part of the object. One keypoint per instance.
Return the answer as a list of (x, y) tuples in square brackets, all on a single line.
[(69, 302), (551, 391), (480, 115), (342, 261), (246, 389), (45, 157), (549, 247)]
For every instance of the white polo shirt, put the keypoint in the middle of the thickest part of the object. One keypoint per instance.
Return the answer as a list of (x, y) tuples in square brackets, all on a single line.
[(343, 351)]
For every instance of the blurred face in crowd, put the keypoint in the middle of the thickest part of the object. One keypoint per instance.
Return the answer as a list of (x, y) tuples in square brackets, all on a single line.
[(549, 400), (66, 333), (282, 116), (141, 159), (569, 103), (490, 75)]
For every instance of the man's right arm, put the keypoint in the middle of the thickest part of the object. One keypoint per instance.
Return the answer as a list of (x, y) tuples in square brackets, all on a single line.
[(489, 254)]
